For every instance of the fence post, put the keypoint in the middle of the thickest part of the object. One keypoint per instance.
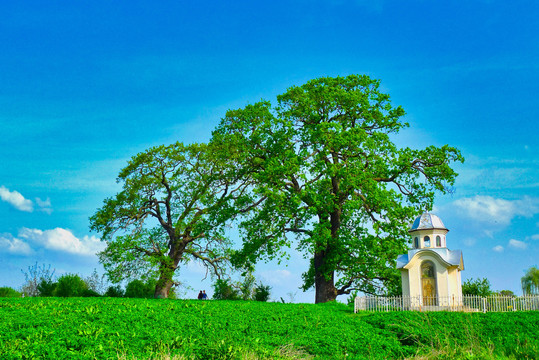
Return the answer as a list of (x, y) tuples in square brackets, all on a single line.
[(484, 305)]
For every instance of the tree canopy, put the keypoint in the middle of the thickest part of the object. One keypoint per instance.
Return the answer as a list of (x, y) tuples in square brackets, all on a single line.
[(326, 170), (477, 287), (173, 207), (530, 281)]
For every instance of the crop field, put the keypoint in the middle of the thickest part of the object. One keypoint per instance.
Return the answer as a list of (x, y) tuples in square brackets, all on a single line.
[(113, 328)]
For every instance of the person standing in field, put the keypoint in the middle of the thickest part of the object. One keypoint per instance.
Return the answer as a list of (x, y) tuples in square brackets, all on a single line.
[(204, 295), (200, 295)]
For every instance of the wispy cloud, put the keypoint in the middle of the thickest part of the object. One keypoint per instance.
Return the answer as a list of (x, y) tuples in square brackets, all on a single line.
[(44, 205), (516, 244), (15, 199), (489, 209), (276, 277), (498, 248)]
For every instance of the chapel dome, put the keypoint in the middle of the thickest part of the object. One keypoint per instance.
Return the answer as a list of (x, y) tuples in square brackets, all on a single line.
[(427, 221)]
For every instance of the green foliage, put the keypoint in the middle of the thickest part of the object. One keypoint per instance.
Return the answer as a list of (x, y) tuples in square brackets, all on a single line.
[(46, 288), (70, 285), (530, 281), (7, 292), (173, 207), (478, 287), (223, 290), (505, 293), (108, 328), (114, 291), (262, 292), (139, 289), (325, 169), (90, 293)]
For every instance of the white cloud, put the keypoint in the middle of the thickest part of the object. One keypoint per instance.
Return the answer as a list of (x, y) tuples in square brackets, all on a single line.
[(517, 244), (489, 209), (535, 237), (16, 199), (498, 248), (62, 240), (13, 245)]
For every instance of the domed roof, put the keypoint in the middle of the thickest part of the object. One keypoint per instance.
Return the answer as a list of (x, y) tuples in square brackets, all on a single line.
[(427, 221)]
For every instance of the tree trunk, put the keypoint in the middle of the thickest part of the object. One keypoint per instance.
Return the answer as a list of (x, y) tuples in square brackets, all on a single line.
[(324, 286), (162, 288)]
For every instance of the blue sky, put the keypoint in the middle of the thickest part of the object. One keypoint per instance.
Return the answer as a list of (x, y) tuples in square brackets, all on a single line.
[(84, 86)]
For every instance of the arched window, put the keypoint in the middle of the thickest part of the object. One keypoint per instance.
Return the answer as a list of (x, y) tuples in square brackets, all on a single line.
[(426, 241), (416, 243), (438, 241), (428, 283)]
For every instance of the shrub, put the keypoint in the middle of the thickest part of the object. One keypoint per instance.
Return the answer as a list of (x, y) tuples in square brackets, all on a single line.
[(46, 288), (114, 291), (90, 293), (139, 289), (223, 290), (70, 285), (7, 292), (262, 292)]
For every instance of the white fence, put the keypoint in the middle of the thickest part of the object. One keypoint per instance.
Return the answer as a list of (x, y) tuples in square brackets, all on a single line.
[(466, 303)]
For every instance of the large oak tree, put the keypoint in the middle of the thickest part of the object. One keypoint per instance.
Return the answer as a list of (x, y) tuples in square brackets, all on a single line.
[(327, 170), (173, 208)]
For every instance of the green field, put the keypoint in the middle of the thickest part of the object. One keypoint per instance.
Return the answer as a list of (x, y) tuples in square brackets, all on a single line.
[(111, 328)]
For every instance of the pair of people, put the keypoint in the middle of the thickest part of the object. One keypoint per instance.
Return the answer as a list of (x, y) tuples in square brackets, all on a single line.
[(202, 295)]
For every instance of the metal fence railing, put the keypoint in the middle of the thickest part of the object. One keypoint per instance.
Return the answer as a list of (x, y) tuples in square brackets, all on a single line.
[(464, 303)]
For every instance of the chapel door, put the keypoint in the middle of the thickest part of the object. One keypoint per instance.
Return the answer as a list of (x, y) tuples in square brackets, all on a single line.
[(428, 283)]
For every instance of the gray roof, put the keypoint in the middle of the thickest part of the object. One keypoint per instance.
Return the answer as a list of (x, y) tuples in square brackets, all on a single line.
[(451, 257), (427, 221)]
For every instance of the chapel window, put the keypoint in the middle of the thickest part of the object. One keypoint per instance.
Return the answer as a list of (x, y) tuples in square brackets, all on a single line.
[(438, 241), (416, 242), (426, 241)]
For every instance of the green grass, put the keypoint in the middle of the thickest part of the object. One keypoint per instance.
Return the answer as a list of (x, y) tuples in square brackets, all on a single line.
[(105, 328)]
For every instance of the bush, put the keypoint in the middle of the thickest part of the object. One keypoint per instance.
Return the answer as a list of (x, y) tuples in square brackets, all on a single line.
[(70, 285), (139, 289), (46, 288), (223, 290), (90, 293), (114, 291), (262, 292), (7, 292)]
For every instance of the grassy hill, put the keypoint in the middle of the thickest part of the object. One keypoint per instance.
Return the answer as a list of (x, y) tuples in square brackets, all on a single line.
[(110, 328)]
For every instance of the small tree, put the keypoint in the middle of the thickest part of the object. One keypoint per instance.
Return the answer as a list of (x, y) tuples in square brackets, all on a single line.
[(479, 287), (46, 288), (262, 292), (114, 291), (34, 276), (70, 285), (247, 286), (223, 290), (530, 281), (95, 282)]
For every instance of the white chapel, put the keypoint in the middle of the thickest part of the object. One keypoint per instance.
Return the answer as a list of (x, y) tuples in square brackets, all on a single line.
[(430, 272)]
